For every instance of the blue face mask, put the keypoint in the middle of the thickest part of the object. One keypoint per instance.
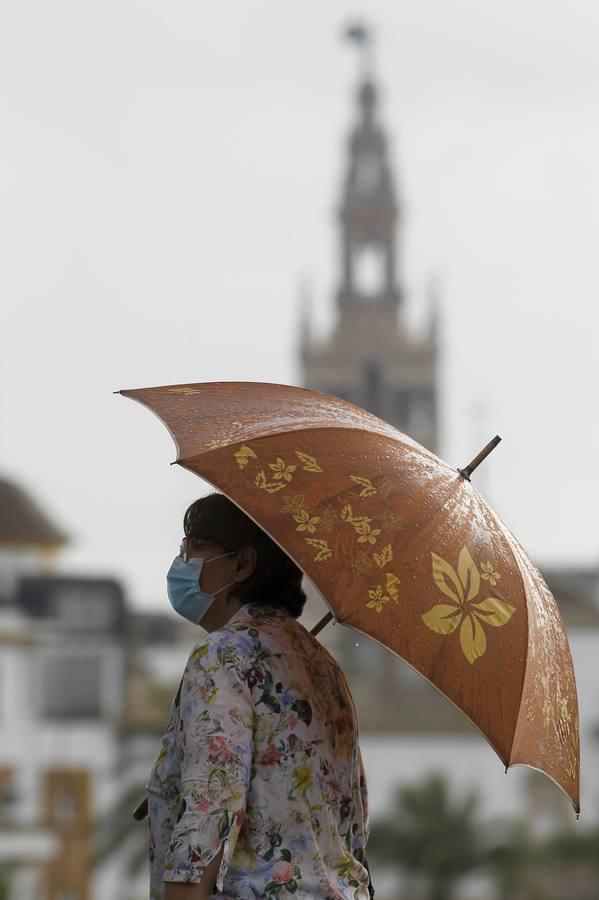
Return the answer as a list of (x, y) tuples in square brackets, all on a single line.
[(183, 588)]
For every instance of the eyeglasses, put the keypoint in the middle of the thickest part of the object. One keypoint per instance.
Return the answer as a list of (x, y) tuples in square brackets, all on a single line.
[(188, 544)]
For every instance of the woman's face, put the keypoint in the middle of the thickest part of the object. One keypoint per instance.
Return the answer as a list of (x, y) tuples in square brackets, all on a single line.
[(221, 572)]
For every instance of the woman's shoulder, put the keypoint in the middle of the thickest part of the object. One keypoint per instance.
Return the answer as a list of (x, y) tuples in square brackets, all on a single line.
[(228, 644)]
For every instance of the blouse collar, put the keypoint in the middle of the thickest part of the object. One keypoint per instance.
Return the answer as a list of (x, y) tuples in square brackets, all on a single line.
[(252, 611)]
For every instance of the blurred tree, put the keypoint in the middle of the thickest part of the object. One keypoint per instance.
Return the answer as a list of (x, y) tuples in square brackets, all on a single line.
[(441, 839), (431, 835), (515, 862), (117, 829), (4, 883)]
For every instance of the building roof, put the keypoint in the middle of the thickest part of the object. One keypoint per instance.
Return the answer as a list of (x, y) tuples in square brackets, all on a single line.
[(22, 522)]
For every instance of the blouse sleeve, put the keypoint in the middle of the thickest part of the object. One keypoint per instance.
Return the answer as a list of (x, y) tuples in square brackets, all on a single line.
[(216, 741)]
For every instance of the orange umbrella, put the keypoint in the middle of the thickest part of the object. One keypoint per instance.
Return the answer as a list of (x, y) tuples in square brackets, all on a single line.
[(401, 547)]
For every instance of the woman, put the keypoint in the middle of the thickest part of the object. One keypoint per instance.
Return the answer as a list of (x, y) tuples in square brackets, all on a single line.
[(258, 790)]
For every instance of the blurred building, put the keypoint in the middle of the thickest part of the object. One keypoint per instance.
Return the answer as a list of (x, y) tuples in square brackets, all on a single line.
[(85, 687)]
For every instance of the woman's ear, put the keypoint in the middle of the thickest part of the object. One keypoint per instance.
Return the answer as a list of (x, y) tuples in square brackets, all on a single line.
[(245, 563)]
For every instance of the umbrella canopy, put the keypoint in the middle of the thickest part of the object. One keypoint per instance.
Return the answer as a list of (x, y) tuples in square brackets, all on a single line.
[(401, 547)]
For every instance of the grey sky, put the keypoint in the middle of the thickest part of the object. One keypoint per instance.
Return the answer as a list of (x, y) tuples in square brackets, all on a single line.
[(168, 171)]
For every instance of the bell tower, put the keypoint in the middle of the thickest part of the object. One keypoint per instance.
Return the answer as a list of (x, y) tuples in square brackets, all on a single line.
[(371, 357), (368, 211)]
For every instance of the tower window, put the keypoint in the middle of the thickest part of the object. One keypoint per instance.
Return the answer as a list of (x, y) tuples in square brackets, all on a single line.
[(369, 269), (367, 173)]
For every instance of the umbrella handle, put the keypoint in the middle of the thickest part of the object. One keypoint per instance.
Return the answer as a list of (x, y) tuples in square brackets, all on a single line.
[(469, 469), (141, 810), (320, 625)]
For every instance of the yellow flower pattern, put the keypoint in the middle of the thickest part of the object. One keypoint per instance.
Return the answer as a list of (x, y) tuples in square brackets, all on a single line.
[(281, 470), (380, 595), (305, 521), (462, 588), (489, 574)]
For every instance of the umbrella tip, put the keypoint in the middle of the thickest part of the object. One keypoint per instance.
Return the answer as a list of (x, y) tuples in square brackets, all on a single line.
[(467, 471), (506, 768)]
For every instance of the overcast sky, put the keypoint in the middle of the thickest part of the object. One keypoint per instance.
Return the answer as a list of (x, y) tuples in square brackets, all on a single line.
[(169, 171)]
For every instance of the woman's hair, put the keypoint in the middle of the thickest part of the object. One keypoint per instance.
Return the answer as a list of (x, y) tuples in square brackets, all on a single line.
[(276, 580)]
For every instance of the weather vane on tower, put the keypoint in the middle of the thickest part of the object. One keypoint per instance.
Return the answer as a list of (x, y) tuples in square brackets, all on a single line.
[(361, 35)]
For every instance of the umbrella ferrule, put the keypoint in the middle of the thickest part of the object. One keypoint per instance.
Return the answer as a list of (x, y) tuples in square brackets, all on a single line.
[(467, 471)]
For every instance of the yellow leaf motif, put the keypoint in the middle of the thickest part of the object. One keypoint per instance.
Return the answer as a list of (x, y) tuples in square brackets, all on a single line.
[(392, 581), (386, 487), (468, 574), (270, 487), (324, 551), (305, 521), (384, 557), (392, 520), (493, 611), (462, 588), (446, 579), (361, 525), (346, 513), (472, 638), (281, 470), (443, 618), (310, 464), (328, 519), (368, 489), (360, 563), (243, 456), (294, 504)]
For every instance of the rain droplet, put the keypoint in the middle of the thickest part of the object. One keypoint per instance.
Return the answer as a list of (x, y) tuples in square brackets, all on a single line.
[(357, 644)]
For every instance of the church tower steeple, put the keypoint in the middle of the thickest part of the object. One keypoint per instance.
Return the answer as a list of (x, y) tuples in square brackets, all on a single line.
[(368, 212), (372, 358)]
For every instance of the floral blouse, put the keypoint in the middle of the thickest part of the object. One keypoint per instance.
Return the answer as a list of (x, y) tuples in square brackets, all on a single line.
[(261, 753)]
